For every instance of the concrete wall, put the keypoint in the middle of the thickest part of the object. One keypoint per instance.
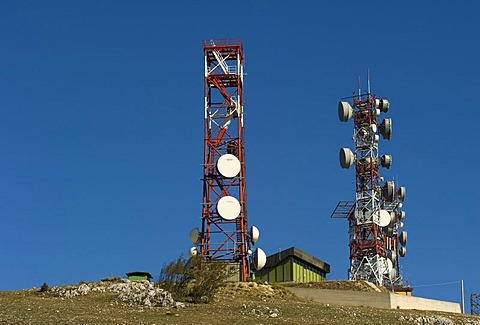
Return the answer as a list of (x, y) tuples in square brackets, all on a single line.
[(374, 299), (409, 302)]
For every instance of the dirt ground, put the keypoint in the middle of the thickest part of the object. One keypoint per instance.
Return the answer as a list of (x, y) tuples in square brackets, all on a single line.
[(237, 303)]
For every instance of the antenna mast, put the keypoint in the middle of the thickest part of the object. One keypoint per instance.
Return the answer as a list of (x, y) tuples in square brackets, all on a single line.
[(375, 217), (224, 236)]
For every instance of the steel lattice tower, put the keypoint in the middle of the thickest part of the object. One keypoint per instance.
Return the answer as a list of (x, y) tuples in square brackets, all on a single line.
[(224, 235), (374, 217)]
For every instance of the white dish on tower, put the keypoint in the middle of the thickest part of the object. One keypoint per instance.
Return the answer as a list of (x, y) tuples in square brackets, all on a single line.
[(346, 158), (393, 256), (386, 128), (192, 252), (228, 208), (195, 236), (259, 259), (403, 238), (384, 218), (389, 265), (228, 165), (402, 191), (402, 251), (345, 111), (254, 234)]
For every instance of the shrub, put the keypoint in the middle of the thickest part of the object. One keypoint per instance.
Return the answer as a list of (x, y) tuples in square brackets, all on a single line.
[(194, 279)]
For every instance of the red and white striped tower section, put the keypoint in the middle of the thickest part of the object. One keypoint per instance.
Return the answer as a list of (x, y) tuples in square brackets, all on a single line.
[(224, 236), (375, 217)]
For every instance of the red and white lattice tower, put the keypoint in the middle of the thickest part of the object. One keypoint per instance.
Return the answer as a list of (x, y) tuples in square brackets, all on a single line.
[(224, 236), (374, 217)]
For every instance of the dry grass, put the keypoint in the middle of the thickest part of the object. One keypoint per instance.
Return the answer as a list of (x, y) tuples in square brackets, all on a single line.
[(242, 303)]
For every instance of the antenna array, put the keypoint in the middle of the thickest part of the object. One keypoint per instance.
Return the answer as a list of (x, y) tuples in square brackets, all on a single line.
[(375, 217)]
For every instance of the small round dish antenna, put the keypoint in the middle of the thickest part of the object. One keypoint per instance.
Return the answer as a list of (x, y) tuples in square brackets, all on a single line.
[(254, 234), (346, 158), (389, 265), (382, 104), (403, 238), (373, 128), (386, 161), (384, 219), (402, 191), (388, 191), (401, 215), (259, 259), (228, 208), (345, 111), (393, 256), (386, 128), (195, 236), (228, 165), (402, 251), (192, 252)]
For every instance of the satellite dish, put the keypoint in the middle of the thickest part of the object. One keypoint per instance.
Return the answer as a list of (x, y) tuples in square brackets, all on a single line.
[(401, 215), (392, 219), (403, 238), (400, 224), (346, 158), (228, 165), (400, 205), (402, 251), (259, 259), (402, 191), (384, 219), (254, 234), (382, 104), (388, 190), (386, 161), (373, 128), (345, 111), (389, 266), (386, 128), (228, 208), (393, 256), (192, 252), (376, 138), (377, 112), (195, 236)]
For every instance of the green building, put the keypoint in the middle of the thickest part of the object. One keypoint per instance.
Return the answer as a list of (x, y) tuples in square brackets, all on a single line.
[(139, 276), (293, 265)]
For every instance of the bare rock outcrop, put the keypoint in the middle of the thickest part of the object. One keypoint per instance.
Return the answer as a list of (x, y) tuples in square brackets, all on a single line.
[(142, 293)]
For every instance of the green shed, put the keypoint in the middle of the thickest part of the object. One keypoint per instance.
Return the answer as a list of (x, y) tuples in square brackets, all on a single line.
[(139, 276), (293, 265)]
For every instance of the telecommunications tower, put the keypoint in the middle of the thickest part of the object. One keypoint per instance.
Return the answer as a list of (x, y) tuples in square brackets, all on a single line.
[(375, 217), (224, 235)]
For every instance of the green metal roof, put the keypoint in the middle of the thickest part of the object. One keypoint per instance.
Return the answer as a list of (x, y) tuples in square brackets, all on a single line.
[(277, 258), (139, 273)]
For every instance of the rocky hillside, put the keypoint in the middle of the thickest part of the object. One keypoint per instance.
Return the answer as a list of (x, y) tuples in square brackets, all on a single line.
[(126, 302)]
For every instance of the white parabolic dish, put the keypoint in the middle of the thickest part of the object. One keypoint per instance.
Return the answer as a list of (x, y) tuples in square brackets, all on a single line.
[(228, 165), (192, 252), (259, 259), (195, 236), (228, 208), (254, 234), (385, 218)]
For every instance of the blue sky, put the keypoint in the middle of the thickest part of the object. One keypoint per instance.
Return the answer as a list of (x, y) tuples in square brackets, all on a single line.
[(101, 121)]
